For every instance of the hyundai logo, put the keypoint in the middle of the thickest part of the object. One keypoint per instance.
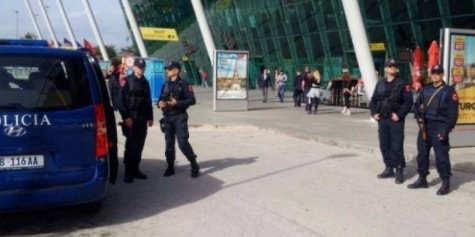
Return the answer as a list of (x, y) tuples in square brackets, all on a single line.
[(14, 131)]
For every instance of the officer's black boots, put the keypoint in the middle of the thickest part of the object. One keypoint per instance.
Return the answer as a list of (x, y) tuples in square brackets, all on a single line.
[(140, 175), (445, 188), (399, 175), (170, 169), (195, 169), (387, 173), (421, 182)]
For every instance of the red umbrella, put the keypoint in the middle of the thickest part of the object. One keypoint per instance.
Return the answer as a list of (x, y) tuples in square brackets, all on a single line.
[(433, 53), (416, 64)]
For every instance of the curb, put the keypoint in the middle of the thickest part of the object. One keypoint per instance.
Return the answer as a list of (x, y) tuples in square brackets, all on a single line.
[(409, 157)]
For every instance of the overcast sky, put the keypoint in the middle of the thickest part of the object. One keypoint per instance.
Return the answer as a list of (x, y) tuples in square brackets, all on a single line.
[(108, 14)]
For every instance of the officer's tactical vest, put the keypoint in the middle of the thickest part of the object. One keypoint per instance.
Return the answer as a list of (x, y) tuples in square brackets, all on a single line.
[(388, 98), (137, 99), (168, 94), (437, 109)]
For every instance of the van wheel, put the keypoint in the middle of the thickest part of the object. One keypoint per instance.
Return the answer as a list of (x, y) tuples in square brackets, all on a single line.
[(92, 208)]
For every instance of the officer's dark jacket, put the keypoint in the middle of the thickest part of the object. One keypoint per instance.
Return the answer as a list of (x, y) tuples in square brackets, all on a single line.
[(182, 92), (443, 107), (136, 100), (391, 97)]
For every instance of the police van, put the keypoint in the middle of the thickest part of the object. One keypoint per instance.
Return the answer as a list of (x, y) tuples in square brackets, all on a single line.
[(58, 138)]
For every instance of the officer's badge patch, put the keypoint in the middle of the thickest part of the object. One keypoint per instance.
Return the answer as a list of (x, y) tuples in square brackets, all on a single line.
[(455, 97), (190, 88), (408, 88)]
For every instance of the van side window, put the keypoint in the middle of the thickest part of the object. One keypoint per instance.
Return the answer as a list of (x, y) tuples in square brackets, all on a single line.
[(47, 82)]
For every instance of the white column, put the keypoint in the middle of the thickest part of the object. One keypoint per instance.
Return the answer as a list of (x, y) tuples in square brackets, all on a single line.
[(360, 44), (66, 23), (204, 28), (33, 18), (48, 23), (95, 29), (135, 28)]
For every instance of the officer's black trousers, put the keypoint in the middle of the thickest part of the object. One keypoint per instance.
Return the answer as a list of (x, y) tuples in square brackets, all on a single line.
[(134, 144), (177, 126), (391, 142), (441, 150)]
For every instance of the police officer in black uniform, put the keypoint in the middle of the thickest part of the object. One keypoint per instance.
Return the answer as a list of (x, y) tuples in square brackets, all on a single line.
[(177, 95), (436, 111), (390, 103), (135, 107)]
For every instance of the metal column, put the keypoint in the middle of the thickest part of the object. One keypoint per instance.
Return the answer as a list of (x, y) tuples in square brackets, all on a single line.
[(66, 23), (360, 44), (95, 29), (135, 28), (204, 28), (385, 12), (48, 23), (33, 19)]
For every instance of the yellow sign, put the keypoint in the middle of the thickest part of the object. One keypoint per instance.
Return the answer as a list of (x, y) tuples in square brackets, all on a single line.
[(166, 34), (377, 47), (466, 105)]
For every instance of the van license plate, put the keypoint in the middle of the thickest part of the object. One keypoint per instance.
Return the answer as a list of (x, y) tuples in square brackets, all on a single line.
[(21, 162)]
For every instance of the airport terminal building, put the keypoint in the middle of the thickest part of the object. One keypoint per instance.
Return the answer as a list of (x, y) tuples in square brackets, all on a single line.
[(289, 34)]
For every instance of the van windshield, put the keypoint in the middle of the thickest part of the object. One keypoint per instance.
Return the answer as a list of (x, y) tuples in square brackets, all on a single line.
[(43, 82)]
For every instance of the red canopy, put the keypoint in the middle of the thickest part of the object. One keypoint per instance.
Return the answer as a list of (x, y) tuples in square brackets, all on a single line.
[(416, 64), (433, 54)]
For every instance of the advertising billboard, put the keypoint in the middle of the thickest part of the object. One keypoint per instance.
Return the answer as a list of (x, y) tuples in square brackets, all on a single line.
[(458, 47), (231, 75), (231, 80)]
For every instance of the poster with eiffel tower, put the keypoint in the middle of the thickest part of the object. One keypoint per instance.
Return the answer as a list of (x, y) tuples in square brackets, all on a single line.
[(231, 80), (231, 75)]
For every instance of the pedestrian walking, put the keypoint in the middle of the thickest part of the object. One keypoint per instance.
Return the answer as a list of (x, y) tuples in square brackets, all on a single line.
[(391, 102), (135, 107), (313, 95), (281, 81), (307, 84), (348, 89), (177, 95), (204, 78), (298, 89), (436, 111), (264, 84)]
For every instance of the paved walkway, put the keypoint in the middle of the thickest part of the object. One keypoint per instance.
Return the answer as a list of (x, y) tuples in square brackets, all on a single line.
[(329, 126)]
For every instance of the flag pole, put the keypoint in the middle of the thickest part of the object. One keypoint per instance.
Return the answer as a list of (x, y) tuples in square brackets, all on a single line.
[(33, 18), (66, 23), (48, 23), (95, 29)]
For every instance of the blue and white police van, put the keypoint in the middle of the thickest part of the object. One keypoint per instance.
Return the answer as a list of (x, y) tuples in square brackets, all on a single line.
[(58, 138)]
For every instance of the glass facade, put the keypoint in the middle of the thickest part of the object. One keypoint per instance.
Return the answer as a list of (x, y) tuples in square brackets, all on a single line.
[(289, 34)]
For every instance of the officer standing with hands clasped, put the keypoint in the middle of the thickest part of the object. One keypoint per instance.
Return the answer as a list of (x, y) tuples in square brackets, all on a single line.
[(135, 107), (391, 102), (436, 112), (177, 95)]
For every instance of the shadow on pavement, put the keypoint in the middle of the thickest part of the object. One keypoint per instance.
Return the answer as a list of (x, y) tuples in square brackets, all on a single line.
[(125, 202)]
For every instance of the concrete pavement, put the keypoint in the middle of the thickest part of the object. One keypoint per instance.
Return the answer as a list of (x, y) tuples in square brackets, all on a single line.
[(329, 126)]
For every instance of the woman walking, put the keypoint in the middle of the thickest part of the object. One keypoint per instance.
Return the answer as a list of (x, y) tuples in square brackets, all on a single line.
[(313, 95)]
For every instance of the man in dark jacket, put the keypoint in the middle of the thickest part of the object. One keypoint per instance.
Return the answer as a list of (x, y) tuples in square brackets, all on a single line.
[(436, 111), (177, 95), (391, 102), (298, 90), (136, 110), (113, 75)]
